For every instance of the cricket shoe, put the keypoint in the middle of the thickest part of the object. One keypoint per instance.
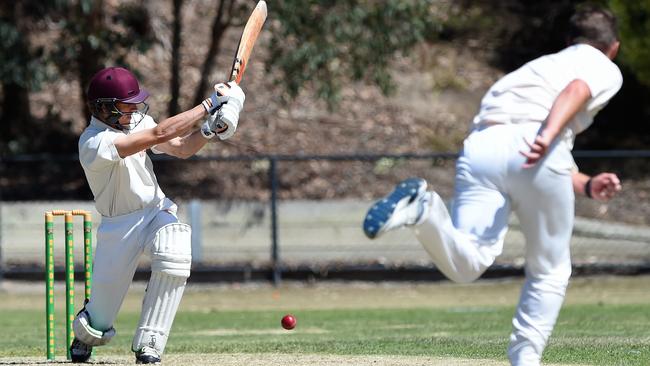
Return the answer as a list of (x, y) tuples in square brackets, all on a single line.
[(79, 351), (147, 355), (404, 206)]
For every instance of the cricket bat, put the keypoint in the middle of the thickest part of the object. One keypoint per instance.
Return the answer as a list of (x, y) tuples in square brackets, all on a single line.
[(247, 40)]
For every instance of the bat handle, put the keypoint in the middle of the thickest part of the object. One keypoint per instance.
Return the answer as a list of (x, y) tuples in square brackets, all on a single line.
[(238, 67), (221, 127), (222, 89)]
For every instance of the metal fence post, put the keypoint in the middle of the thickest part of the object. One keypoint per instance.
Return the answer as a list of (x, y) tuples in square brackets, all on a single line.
[(273, 181)]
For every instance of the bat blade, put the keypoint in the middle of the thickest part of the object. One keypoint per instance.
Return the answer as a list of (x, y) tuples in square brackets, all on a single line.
[(251, 31), (247, 40)]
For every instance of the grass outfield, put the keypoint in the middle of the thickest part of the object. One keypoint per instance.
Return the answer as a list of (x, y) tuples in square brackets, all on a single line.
[(605, 321)]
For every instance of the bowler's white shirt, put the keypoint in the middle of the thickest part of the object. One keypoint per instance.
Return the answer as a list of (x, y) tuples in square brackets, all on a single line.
[(120, 185), (527, 94)]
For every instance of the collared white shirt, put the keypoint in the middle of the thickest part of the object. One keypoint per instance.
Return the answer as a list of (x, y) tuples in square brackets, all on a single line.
[(120, 185), (528, 93)]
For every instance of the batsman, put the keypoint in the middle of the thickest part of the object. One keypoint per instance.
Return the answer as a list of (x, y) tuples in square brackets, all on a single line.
[(137, 218)]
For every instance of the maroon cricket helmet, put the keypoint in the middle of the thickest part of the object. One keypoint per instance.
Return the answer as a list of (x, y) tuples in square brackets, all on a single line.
[(116, 83)]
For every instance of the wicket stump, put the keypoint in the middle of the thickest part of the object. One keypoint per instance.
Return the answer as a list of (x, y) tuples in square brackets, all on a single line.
[(69, 272)]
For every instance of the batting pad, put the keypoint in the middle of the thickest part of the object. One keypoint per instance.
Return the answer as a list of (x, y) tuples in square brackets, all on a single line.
[(161, 300), (172, 250), (171, 259)]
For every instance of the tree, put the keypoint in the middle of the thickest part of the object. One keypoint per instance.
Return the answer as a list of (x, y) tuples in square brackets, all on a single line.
[(90, 35), (326, 43), (175, 65), (228, 14), (20, 71), (94, 34), (634, 27), (222, 20)]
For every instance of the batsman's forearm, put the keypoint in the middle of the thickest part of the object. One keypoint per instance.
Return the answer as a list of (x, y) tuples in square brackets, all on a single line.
[(191, 144), (179, 124)]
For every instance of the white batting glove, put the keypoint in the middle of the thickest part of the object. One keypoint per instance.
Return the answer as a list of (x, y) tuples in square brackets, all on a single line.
[(214, 102), (230, 110), (224, 121), (209, 127), (233, 92)]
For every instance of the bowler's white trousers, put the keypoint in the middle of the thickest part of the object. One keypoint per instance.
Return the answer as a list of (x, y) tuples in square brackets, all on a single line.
[(121, 241), (490, 183)]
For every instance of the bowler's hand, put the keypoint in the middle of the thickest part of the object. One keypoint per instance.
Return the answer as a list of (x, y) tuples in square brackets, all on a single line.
[(538, 149), (604, 186)]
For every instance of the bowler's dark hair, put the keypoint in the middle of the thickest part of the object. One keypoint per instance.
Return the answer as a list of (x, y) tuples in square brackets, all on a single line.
[(595, 26)]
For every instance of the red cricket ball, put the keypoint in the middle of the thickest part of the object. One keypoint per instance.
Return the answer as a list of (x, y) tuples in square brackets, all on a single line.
[(288, 322)]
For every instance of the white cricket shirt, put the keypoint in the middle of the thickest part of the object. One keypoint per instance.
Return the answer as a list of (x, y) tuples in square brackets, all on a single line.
[(120, 186), (527, 94)]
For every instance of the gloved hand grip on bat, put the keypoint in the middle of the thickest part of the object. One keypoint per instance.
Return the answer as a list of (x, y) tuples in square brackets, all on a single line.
[(224, 122), (214, 102)]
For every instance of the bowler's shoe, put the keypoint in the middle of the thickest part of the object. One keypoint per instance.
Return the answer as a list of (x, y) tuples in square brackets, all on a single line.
[(404, 206)]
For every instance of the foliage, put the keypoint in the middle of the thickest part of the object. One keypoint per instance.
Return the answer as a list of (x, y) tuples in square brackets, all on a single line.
[(109, 36), (318, 45), (634, 28), (19, 65), (523, 30), (88, 36), (325, 43), (114, 36)]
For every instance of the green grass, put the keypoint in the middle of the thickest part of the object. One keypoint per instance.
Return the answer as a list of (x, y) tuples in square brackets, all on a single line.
[(585, 334)]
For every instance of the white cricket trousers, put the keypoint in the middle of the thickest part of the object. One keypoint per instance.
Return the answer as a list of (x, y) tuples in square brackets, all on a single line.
[(121, 241), (490, 183)]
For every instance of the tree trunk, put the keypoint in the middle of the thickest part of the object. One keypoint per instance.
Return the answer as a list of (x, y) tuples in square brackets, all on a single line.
[(222, 21), (175, 82), (89, 59), (15, 115)]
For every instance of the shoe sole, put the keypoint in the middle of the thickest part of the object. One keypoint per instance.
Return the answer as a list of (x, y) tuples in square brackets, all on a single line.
[(148, 362), (379, 214)]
